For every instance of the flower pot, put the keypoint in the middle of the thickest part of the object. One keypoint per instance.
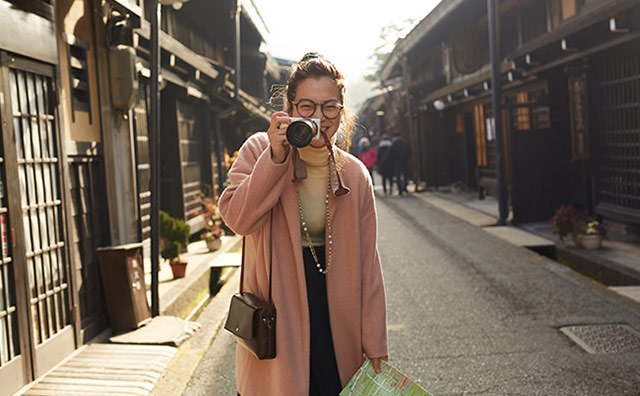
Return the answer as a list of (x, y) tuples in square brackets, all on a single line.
[(178, 268), (591, 242), (214, 244)]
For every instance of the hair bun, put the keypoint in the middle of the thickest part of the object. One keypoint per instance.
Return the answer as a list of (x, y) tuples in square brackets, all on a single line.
[(309, 56)]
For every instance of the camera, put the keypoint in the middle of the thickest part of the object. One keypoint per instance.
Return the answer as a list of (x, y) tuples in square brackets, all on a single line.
[(302, 131)]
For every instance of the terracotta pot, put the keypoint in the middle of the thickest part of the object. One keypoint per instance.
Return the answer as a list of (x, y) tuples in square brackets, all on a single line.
[(591, 242), (178, 268), (214, 244)]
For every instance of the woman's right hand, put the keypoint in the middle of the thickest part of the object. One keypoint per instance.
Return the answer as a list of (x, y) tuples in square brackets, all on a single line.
[(278, 136)]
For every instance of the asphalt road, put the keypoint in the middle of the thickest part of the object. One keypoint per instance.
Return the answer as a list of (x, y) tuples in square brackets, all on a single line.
[(471, 314)]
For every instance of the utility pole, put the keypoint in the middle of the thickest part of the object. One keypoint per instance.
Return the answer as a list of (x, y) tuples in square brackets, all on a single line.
[(238, 49), (494, 51), (155, 157)]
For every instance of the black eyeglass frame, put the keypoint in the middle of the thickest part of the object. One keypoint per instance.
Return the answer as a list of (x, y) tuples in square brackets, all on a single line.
[(315, 106)]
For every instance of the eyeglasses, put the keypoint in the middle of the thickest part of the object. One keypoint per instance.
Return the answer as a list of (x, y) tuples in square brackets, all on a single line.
[(330, 109)]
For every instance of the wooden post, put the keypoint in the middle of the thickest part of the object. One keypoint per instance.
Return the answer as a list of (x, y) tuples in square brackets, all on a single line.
[(494, 51), (155, 155)]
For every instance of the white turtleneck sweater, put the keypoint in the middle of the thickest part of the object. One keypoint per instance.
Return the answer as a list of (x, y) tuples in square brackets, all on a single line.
[(312, 192)]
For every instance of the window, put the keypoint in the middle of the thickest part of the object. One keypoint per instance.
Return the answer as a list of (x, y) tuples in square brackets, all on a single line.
[(78, 75), (523, 113), (459, 123), (559, 10), (481, 142)]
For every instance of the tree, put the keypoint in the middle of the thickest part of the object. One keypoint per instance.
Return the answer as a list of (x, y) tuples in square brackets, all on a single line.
[(389, 37)]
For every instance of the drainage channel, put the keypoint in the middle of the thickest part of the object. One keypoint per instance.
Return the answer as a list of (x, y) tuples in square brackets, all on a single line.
[(604, 338)]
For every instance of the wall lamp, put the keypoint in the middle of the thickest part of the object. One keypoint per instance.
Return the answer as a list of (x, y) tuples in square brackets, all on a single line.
[(176, 4)]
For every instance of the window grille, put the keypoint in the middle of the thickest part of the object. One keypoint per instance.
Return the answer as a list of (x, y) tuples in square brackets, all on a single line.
[(78, 76), (34, 128)]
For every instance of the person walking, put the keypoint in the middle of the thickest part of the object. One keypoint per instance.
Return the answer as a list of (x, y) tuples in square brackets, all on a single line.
[(368, 156), (327, 286), (384, 164), (399, 157)]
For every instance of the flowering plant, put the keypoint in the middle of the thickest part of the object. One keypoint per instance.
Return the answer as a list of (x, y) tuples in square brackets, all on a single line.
[(595, 228), (565, 221), (213, 222), (213, 234)]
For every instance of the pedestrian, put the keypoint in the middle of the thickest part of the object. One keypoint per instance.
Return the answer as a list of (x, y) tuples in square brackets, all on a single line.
[(399, 157), (368, 156), (327, 289), (385, 165)]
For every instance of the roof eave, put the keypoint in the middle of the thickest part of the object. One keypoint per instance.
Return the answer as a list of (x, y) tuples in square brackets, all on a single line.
[(417, 34)]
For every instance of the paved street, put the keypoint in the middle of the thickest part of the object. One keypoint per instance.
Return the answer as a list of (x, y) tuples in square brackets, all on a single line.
[(471, 314)]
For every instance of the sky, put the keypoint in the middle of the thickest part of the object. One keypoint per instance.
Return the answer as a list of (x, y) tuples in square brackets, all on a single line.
[(345, 31)]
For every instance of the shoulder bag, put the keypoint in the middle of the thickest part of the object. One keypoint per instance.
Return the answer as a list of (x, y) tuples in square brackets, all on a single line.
[(251, 320)]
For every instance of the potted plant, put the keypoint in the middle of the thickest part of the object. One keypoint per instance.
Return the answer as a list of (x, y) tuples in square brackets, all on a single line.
[(213, 225), (213, 239), (175, 235), (591, 239), (565, 221)]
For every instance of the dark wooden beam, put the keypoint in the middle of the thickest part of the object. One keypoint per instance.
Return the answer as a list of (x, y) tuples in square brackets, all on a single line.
[(577, 55), (598, 12)]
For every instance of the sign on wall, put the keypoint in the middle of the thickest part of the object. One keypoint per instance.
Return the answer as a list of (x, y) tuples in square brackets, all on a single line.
[(579, 117)]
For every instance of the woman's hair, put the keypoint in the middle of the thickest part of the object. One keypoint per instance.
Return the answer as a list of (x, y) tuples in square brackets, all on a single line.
[(314, 65)]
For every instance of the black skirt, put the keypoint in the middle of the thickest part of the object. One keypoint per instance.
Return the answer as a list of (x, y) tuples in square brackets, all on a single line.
[(324, 378)]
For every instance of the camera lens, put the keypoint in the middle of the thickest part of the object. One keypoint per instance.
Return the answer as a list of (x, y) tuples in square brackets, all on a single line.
[(301, 132)]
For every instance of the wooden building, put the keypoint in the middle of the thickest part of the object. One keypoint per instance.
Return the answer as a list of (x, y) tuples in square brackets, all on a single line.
[(74, 162), (571, 95)]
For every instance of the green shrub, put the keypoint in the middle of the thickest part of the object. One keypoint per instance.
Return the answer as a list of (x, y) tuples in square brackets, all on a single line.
[(175, 233)]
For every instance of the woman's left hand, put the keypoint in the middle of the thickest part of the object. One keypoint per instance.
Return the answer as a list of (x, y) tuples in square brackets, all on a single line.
[(376, 363)]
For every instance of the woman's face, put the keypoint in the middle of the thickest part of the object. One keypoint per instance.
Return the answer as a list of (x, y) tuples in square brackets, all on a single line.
[(319, 90)]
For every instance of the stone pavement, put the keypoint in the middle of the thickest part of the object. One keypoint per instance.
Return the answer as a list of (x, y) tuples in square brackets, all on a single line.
[(469, 313), (617, 264)]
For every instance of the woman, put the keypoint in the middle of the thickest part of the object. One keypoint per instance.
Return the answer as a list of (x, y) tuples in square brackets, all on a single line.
[(327, 280), (368, 156)]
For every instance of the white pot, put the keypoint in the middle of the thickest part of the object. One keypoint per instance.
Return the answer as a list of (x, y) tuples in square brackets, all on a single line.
[(591, 242), (214, 244)]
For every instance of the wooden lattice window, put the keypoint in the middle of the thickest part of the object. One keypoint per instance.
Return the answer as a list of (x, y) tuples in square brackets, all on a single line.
[(481, 141), (616, 134), (523, 113)]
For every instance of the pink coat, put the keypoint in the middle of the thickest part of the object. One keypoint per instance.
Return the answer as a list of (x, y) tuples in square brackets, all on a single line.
[(355, 287)]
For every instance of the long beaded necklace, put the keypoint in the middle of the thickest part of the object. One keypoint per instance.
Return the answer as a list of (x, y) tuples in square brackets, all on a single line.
[(328, 223)]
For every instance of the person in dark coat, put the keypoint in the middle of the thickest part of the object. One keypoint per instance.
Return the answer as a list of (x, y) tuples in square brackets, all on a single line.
[(385, 166), (399, 157)]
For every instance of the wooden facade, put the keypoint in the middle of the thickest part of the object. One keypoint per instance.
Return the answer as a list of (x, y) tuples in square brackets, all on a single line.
[(74, 170), (569, 104)]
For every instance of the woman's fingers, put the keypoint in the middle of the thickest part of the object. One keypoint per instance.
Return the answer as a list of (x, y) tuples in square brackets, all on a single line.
[(277, 136), (376, 363)]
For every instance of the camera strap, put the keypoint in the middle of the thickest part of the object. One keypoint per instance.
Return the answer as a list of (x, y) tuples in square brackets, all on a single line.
[(299, 168)]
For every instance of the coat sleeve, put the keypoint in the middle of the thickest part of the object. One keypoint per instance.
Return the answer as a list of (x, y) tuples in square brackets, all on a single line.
[(256, 185), (374, 305)]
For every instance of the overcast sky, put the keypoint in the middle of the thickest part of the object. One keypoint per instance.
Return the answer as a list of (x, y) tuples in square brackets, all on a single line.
[(345, 31)]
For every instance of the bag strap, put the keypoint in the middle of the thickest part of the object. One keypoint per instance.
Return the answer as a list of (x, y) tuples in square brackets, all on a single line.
[(244, 240)]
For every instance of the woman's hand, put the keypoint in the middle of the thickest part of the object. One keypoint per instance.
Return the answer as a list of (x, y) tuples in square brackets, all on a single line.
[(376, 363), (278, 136)]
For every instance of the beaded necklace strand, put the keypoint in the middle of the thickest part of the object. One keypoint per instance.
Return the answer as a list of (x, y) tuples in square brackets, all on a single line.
[(328, 223)]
